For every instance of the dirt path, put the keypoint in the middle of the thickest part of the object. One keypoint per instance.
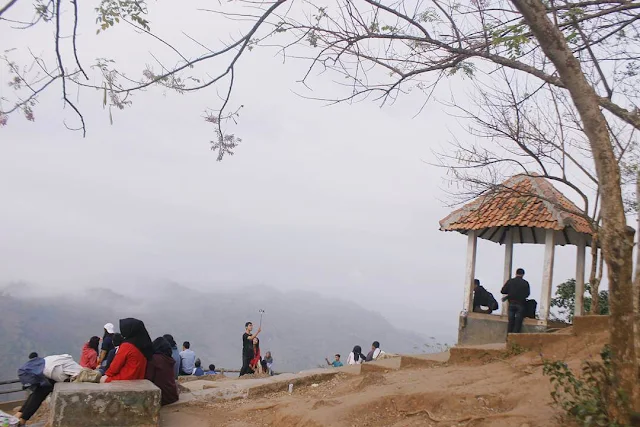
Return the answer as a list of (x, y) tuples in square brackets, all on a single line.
[(511, 392)]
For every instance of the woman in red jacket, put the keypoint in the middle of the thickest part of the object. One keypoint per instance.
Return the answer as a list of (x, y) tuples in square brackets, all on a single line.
[(89, 357), (130, 362)]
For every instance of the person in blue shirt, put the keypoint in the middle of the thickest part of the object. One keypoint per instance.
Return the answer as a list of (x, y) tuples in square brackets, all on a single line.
[(336, 363), (198, 371), (212, 370)]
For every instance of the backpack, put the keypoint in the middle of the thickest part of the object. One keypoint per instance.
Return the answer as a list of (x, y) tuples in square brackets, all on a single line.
[(530, 307), (493, 304), (31, 374)]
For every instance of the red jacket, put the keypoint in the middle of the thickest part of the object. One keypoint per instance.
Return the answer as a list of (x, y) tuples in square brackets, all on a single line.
[(160, 372), (89, 357), (128, 364)]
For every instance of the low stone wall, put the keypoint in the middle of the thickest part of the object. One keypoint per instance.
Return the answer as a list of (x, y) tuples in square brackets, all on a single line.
[(479, 329), (120, 403), (534, 341), (590, 324)]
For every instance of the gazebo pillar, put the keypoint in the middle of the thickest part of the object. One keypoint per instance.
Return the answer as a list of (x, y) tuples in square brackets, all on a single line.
[(547, 274), (470, 271), (580, 258), (508, 265)]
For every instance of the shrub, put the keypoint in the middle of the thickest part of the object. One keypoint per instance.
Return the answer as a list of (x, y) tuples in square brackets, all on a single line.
[(589, 397)]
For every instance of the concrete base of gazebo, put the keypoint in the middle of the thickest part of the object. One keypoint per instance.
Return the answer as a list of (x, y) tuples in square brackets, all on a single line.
[(480, 329)]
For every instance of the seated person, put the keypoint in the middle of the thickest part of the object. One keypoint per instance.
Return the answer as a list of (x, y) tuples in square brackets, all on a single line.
[(160, 371), (187, 359), (212, 370), (117, 340), (130, 362), (483, 300), (267, 363), (197, 370), (89, 356), (336, 363), (374, 353)]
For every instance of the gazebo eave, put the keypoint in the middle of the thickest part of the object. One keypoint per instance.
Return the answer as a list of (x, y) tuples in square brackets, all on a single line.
[(528, 235)]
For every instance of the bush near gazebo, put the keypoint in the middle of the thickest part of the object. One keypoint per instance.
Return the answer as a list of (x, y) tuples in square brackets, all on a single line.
[(565, 300)]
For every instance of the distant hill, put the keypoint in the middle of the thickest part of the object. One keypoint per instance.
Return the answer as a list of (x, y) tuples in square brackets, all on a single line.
[(300, 328)]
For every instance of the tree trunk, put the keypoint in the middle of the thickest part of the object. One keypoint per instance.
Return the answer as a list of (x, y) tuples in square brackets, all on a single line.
[(617, 241), (636, 283), (593, 278)]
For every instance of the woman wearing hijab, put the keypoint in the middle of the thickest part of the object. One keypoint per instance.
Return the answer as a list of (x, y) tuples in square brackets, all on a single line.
[(130, 362), (160, 371), (255, 364), (89, 357), (356, 357), (175, 353)]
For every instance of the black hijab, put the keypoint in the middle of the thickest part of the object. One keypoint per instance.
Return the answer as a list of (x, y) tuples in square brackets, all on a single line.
[(357, 353), (134, 332), (171, 341), (161, 346)]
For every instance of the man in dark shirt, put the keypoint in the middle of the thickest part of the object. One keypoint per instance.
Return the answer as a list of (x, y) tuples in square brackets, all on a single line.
[(482, 298), (247, 348), (516, 290)]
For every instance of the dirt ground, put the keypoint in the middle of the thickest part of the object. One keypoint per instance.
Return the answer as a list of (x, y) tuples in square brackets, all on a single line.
[(504, 392)]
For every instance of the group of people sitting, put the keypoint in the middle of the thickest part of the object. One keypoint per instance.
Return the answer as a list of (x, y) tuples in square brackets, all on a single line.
[(128, 355), (356, 357), (187, 363)]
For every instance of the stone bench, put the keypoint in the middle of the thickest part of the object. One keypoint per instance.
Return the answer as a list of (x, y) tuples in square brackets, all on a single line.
[(120, 403)]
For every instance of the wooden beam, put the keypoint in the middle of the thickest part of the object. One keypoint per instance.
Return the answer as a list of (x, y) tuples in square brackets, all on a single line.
[(533, 235), (494, 233), (470, 270), (547, 274)]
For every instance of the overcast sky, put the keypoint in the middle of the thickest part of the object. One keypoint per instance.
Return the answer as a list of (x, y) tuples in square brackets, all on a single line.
[(339, 200)]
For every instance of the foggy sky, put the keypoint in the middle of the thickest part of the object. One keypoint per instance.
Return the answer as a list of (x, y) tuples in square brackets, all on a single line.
[(339, 200)]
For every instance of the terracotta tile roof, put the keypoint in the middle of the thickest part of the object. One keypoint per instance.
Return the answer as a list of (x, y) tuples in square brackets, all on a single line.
[(521, 201)]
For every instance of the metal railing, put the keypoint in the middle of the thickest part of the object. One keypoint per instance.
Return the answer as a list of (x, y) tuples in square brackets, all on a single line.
[(8, 382)]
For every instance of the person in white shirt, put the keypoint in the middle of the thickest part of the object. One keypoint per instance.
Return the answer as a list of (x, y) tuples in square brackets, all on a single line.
[(374, 353), (356, 357)]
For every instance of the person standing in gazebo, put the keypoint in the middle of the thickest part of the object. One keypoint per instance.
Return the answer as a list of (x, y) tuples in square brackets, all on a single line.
[(517, 291)]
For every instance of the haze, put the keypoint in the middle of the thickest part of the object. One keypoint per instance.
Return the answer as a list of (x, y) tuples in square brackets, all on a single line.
[(336, 200)]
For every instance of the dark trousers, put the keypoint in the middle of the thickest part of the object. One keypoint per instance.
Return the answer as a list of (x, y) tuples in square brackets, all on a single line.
[(35, 399), (246, 360), (516, 317)]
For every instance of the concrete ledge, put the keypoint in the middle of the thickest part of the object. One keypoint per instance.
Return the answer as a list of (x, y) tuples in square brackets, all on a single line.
[(534, 341), (392, 364), (590, 324), (423, 360), (297, 381), (479, 329), (120, 403), (481, 353)]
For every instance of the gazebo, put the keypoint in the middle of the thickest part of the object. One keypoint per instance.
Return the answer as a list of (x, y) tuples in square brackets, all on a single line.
[(523, 209)]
